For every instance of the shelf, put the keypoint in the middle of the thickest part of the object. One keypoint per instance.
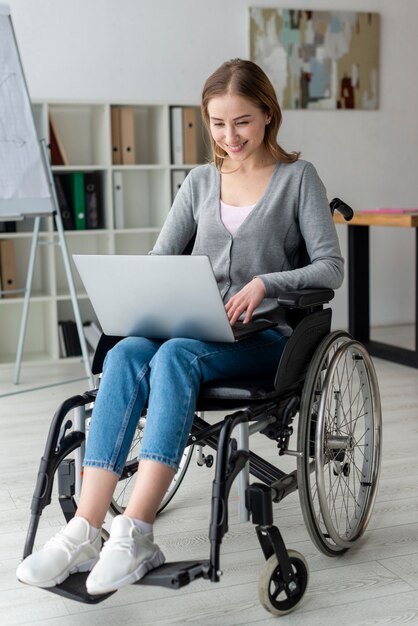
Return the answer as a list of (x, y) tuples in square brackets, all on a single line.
[(18, 300), (135, 198), (150, 128), (39, 339), (89, 167), (145, 197), (136, 242), (145, 167), (84, 132), (87, 232), (139, 231), (65, 295)]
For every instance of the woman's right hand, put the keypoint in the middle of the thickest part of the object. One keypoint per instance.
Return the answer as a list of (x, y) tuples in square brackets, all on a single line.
[(246, 300)]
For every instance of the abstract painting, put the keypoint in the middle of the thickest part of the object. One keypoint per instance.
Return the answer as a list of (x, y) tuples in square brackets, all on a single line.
[(318, 59)]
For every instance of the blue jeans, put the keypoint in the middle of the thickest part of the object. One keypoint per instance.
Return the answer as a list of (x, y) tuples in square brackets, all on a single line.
[(165, 376)]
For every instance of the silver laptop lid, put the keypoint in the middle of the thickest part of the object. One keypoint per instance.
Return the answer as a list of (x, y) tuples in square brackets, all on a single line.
[(155, 296)]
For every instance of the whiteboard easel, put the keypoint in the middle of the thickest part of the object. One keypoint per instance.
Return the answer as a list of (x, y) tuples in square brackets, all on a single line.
[(27, 187)]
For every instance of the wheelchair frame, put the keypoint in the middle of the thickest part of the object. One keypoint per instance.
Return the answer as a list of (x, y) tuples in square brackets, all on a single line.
[(304, 383), (232, 459)]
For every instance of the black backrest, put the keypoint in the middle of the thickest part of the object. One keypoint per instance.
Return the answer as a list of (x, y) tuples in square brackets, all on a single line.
[(300, 348), (106, 343)]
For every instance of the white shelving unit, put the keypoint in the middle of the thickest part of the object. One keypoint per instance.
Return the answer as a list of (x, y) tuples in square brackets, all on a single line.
[(85, 131)]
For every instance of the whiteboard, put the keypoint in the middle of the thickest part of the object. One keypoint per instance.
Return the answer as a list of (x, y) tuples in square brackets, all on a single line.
[(24, 185)]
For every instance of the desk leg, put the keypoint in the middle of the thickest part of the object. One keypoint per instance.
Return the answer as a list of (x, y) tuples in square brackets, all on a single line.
[(359, 299), (359, 283), (416, 296)]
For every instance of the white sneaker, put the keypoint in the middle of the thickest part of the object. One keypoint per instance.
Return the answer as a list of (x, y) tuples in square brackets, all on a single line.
[(69, 551), (126, 557)]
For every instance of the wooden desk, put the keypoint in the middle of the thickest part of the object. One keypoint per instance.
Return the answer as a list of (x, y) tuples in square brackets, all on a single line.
[(359, 281)]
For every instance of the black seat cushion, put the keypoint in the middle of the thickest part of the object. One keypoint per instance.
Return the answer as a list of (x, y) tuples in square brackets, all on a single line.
[(238, 389)]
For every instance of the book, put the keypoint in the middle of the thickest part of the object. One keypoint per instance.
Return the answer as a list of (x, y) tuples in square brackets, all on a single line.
[(61, 341), (70, 341), (176, 114), (116, 139), (58, 154), (93, 200), (65, 339), (118, 200), (401, 211), (8, 267), (127, 135), (189, 135), (63, 203), (74, 338), (75, 187)]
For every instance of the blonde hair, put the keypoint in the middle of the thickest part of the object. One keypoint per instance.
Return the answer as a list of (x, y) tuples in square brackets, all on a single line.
[(245, 78)]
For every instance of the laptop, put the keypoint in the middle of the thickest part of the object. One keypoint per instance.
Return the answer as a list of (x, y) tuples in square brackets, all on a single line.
[(159, 297)]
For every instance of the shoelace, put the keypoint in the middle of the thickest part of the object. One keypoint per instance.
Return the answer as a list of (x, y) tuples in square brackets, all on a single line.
[(63, 542), (120, 543)]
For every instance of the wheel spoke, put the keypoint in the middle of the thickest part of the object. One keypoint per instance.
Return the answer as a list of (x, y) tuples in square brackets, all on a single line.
[(278, 586), (340, 496)]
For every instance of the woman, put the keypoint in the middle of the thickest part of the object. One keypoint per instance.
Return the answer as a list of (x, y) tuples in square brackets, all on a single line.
[(249, 211)]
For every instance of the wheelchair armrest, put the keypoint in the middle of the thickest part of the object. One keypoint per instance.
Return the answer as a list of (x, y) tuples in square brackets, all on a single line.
[(305, 298), (106, 343)]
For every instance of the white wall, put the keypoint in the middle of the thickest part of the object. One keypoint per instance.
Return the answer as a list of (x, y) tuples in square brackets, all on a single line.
[(162, 50)]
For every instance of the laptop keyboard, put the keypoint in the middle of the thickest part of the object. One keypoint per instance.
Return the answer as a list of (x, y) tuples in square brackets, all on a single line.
[(242, 330)]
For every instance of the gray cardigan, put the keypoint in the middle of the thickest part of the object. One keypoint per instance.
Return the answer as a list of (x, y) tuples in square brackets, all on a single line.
[(294, 208)]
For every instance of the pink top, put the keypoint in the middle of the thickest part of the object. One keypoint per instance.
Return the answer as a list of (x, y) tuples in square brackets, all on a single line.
[(233, 216)]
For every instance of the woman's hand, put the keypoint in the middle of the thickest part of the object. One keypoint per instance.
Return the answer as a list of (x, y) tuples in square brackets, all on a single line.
[(247, 300)]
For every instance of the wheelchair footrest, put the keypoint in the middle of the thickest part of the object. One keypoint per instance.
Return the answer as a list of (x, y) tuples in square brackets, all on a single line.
[(173, 575), (176, 574), (74, 588)]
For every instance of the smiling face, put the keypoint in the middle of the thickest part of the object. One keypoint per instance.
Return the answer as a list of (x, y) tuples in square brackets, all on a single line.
[(237, 126)]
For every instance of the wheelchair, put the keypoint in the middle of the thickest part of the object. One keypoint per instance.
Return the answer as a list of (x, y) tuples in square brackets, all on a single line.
[(325, 377)]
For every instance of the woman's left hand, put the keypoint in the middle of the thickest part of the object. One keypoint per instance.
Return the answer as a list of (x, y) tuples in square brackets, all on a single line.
[(247, 299)]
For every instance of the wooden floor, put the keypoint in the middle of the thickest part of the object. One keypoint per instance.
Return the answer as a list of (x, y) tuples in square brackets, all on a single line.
[(374, 583)]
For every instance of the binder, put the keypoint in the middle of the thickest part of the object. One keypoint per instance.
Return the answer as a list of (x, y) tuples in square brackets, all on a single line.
[(78, 202), (8, 227), (7, 267), (93, 200), (127, 135), (71, 342), (74, 338), (177, 135), (118, 200), (116, 139), (61, 341), (189, 135), (64, 205), (177, 178), (58, 154)]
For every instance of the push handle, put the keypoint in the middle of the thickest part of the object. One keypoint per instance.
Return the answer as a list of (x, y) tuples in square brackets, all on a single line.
[(343, 208)]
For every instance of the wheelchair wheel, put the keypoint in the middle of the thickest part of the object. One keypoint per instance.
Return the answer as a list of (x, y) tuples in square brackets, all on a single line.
[(339, 436), (126, 481), (273, 594)]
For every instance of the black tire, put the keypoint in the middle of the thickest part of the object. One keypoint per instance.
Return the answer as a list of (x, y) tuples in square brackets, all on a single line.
[(272, 592), (339, 436)]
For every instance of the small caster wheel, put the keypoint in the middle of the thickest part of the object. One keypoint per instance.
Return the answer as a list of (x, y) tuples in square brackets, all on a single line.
[(209, 460), (274, 595)]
